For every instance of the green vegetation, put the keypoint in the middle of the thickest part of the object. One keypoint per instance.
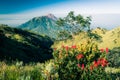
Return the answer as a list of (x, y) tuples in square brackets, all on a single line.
[(104, 38), (69, 62), (17, 71), (95, 55), (114, 57), (81, 62), (51, 26), (78, 22), (64, 34), (18, 37), (17, 44), (111, 38), (73, 24)]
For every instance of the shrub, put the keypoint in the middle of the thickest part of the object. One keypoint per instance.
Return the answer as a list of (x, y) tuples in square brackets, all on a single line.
[(84, 62), (114, 57), (20, 72), (18, 37)]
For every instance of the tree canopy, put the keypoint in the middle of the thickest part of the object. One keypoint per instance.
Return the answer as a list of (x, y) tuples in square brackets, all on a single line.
[(75, 21)]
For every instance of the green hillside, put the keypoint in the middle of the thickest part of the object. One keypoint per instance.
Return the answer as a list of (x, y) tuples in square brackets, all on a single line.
[(104, 38), (17, 44), (111, 39)]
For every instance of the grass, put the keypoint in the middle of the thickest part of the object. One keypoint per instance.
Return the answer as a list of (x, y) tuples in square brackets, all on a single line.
[(19, 72), (114, 72), (37, 71), (109, 38)]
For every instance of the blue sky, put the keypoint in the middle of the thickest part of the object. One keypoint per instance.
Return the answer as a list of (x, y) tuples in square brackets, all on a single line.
[(105, 13), (16, 6)]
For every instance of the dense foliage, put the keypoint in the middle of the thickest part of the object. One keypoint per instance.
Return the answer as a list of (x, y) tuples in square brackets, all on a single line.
[(74, 23), (17, 44), (77, 62), (17, 71), (114, 57), (81, 62)]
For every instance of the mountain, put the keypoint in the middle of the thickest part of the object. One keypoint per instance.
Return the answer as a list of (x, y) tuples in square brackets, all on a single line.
[(51, 16), (104, 38), (17, 44), (45, 25)]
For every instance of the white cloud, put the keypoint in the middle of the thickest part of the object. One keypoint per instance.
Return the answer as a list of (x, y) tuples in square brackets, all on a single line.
[(61, 9), (108, 21)]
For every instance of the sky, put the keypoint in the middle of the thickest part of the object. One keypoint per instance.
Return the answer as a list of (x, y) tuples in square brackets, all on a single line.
[(105, 13)]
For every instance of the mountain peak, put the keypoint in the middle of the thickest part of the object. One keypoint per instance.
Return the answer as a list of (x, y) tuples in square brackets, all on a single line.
[(51, 16)]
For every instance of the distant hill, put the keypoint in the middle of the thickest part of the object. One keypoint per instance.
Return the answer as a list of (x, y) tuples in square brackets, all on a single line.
[(45, 25), (104, 38), (111, 38), (17, 44), (99, 31)]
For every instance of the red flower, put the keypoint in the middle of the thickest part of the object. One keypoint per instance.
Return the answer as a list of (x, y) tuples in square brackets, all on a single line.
[(78, 65), (63, 46), (104, 62), (95, 64), (55, 49), (82, 66), (91, 67), (79, 56), (74, 46), (99, 61), (107, 50), (101, 50), (103, 65), (66, 48)]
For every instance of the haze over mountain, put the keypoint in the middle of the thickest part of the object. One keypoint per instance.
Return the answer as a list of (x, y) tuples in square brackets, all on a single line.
[(108, 21), (44, 25), (105, 13), (49, 25)]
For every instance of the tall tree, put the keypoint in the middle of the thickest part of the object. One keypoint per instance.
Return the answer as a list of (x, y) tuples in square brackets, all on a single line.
[(76, 23)]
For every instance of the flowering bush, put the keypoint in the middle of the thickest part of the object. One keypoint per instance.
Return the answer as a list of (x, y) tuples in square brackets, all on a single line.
[(81, 62)]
